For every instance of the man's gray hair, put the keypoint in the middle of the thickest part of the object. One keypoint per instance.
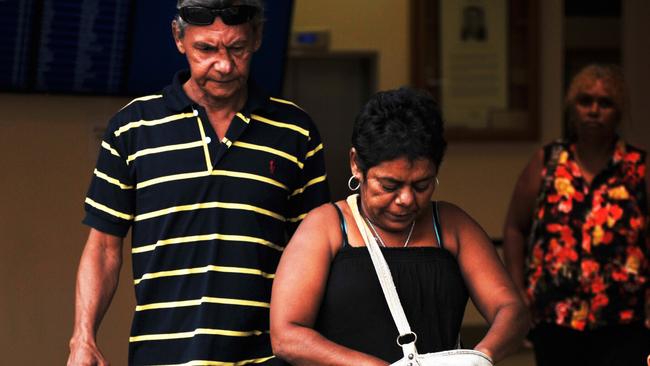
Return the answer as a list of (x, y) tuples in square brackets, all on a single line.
[(256, 22)]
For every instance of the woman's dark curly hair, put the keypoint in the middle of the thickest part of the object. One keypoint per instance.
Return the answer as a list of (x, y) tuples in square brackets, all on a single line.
[(396, 123)]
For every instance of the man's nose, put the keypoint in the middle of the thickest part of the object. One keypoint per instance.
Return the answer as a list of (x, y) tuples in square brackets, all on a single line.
[(223, 62)]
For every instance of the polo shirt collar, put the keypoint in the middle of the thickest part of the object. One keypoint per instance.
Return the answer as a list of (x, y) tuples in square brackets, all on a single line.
[(174, 95), (177, 100), (257, 99)]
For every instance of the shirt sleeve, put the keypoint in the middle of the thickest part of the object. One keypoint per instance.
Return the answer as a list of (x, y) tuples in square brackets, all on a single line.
[(109, 204), (313, 189)]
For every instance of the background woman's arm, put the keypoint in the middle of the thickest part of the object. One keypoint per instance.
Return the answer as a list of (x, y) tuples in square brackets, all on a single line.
[(519, 220)]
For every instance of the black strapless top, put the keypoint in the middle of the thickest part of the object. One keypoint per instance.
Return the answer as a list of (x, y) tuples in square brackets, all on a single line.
[(354, 312)]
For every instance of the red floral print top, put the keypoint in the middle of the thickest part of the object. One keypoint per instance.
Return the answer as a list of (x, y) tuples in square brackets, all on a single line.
[(589, 262)]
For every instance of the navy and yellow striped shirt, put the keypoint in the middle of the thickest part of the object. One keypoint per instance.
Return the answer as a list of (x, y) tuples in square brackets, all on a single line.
[(209, 219)]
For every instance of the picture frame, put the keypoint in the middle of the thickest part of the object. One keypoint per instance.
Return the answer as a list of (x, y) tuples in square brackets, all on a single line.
[(486, 81)]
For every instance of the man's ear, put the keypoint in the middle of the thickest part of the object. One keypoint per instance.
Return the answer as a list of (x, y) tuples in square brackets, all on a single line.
[(176, 33), (257, 33)]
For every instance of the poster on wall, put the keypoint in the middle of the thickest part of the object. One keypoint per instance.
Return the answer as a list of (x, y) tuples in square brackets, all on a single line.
[(474, 62)]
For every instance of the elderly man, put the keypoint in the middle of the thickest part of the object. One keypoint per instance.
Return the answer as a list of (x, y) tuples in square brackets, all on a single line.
[(211, 176)]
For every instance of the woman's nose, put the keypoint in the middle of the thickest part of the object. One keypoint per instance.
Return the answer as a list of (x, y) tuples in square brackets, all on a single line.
[(405, 197), (594, 108)]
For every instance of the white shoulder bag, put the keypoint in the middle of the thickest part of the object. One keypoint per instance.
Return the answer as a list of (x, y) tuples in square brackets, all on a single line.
[(456, 357)]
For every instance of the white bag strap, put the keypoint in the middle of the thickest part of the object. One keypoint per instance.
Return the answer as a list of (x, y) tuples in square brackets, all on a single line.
[(385, 279)]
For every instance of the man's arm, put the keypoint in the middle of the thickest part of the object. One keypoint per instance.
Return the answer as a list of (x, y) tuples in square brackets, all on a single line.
[(97, 279)]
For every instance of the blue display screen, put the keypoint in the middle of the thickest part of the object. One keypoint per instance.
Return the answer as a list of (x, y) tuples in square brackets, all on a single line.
[(114, 47), (17, 23)]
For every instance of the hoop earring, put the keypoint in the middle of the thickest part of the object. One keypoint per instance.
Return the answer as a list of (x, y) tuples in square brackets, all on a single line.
[(350, 182), (437, 182)]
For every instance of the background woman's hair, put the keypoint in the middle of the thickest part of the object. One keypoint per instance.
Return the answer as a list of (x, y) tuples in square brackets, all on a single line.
[(612, 78), (610, 75), (395, 123)]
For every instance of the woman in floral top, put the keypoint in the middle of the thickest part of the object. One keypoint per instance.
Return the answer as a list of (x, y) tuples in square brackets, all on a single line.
[(576, 238)]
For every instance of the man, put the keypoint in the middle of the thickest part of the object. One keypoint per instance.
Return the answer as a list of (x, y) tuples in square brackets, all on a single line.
[(211, 176)]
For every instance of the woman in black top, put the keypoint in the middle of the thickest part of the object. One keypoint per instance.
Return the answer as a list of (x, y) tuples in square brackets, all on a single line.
[(327, 306)]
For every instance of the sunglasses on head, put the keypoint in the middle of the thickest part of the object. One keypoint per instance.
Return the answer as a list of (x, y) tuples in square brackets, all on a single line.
[(232, 15)]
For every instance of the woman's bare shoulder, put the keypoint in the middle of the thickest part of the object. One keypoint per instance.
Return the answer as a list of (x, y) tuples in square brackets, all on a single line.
[(321, 225), (458, 226), (451, 212)]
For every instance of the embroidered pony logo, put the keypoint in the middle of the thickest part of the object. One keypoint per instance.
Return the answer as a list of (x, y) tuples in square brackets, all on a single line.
[(272, 166)]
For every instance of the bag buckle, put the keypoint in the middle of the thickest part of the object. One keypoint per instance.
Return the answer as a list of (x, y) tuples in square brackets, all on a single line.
[(406, 338)]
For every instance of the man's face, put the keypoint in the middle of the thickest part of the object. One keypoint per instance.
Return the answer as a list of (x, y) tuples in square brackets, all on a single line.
[(219, 57)]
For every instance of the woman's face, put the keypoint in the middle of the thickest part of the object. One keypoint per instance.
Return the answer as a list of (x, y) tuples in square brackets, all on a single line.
[(395, 192), (595, 112)]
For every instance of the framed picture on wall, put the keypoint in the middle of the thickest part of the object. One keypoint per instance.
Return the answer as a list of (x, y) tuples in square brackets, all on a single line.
[(479, 59)]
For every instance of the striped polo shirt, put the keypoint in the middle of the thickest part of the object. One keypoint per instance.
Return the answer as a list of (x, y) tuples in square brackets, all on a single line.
[(209, 219)]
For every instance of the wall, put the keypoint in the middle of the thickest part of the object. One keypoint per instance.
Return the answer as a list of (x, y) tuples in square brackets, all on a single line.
[(480, 177), (378, 25), (636, 58), (48, 151), (494, 167)]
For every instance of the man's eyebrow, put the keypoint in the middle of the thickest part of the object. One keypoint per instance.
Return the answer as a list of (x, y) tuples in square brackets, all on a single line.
[(237, 41), (203, 43)]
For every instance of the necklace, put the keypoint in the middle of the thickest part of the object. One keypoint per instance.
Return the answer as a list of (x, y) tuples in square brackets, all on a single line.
[(381, 241)]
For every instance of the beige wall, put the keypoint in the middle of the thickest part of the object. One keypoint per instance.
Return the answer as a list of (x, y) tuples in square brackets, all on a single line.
[(492, 168), (636, 61), (479, 177), (48, 149), (377, 25)]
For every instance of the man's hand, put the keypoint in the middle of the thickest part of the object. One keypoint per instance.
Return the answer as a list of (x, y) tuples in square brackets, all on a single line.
[(85, 354)]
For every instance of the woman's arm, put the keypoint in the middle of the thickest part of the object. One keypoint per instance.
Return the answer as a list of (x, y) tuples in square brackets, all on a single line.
[(519, 220), (489, 285), (298, 290)]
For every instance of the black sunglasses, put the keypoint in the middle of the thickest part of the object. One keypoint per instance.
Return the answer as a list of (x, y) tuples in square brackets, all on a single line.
[(232, 15)]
